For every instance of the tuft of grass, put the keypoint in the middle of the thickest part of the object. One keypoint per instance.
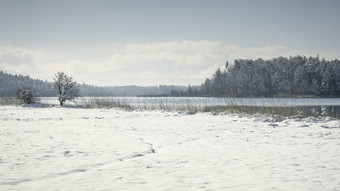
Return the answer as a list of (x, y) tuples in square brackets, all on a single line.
[(300, 111), (11, 101), (103, 102)]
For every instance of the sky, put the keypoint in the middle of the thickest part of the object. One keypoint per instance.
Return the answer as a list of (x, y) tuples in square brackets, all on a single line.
[(159, 42)]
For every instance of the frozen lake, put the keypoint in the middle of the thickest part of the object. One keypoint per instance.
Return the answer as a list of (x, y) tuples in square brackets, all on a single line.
[(113, 149), (213, 101)]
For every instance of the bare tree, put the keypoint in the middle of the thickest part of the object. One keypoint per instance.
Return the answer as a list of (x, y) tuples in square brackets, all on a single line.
[(66, 88)]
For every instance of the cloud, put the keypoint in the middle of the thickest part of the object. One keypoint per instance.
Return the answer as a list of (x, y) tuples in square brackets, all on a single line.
[(173, 62), (18, 59), (189, 61)]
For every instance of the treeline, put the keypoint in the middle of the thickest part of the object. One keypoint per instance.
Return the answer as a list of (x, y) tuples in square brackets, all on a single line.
[(278, 77), (161, 90), (11, 84), (293, 76)]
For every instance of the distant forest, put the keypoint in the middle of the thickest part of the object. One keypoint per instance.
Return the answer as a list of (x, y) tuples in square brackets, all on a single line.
[(11, 84), (279, 77)]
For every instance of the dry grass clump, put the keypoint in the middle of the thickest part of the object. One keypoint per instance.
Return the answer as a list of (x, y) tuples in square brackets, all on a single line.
[(11, 101)]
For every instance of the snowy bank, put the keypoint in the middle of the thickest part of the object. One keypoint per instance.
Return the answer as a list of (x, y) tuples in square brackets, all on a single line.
[(110, 149)]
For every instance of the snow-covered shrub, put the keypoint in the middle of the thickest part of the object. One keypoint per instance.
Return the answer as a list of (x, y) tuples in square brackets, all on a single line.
[(27, 95)]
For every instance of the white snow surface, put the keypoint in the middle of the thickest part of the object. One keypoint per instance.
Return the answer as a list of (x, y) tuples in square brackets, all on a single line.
[(113, 149)]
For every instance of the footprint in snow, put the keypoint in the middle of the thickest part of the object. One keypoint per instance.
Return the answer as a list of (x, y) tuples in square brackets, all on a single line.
[(67, 154), (273, 124), (328, 127), (137, 155), (190, 113)]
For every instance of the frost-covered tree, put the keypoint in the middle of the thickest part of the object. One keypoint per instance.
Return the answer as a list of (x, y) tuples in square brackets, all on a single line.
[(65, 87), (337, 77), (206, 87), (218, 81), (300, 80)]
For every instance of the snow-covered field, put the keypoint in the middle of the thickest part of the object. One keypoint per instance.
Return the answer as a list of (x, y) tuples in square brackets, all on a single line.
[(111, 149)]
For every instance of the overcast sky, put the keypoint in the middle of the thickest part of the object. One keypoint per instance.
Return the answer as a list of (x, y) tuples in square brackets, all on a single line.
[(153, 42)]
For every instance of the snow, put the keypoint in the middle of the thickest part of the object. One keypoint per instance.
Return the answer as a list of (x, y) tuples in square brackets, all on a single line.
[(58, 148)]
